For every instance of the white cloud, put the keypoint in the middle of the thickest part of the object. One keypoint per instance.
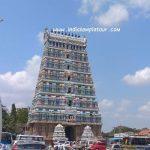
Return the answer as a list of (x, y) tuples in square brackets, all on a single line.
[(115, 106), (122, 112), (123, 106), (114, 16), (105, 104), (142, 4), (141, 77), (118, 11), (145, 109), (41, 37), (90, 5), (19, 87)]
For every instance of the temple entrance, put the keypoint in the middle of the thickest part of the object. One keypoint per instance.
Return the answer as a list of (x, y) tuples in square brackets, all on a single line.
[(70, 131)]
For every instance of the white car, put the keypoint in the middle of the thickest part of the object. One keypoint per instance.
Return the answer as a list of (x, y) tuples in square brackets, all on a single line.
[(115, 147), (63, 147)]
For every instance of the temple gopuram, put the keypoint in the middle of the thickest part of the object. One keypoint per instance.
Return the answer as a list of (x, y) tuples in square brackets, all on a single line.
[(64, 91)]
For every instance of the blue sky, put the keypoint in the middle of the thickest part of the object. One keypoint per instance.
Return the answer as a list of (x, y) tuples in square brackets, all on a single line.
[(119, 61)]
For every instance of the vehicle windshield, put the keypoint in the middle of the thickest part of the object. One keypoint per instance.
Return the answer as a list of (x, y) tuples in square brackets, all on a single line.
[(82, 142), (61, 142), (117, 146), (34, 138), (90, 142), (32, 146)]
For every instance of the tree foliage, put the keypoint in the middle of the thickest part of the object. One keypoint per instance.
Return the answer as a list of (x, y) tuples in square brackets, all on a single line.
[(22, 118), (22, 115), (120, 129), (15, 121), (5, 120)]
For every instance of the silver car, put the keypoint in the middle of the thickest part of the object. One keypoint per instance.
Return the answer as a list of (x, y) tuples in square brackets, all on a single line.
[(29, 145), (115, 147)]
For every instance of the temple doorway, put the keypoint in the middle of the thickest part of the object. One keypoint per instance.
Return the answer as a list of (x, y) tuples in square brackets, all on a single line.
[(70, 133)]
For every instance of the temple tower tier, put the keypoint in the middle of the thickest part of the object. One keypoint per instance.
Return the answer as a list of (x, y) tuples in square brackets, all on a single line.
[(64, 92)]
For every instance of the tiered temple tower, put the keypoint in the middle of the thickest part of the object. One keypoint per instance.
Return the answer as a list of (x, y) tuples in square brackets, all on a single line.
[(64, 92)]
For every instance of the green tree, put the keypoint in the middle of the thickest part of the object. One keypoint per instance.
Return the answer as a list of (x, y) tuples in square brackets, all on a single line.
[(5, 119), (122, 129), (22, 118), (16, 120), (119, 129), (13, 119)]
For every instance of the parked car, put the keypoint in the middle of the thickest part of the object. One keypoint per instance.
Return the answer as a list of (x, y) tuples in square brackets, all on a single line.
[(98, 146), (115, 146), (24, 137), (143, 147), (63, 147), (29, 145)]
